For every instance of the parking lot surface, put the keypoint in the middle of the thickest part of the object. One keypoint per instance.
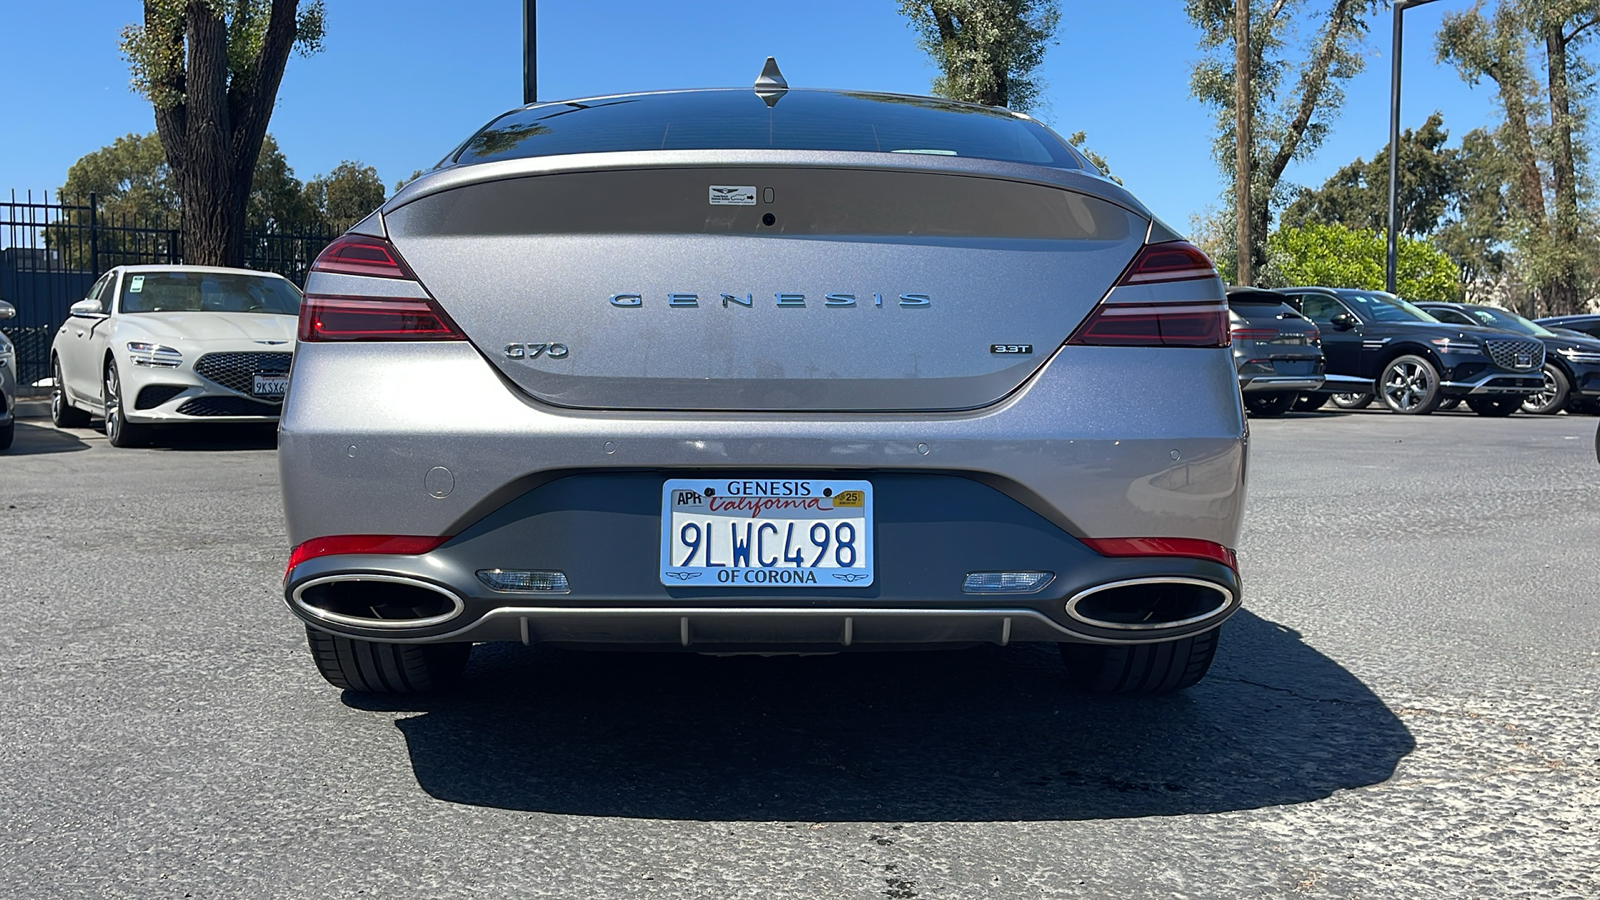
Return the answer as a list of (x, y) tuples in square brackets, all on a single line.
[(1407, 707)]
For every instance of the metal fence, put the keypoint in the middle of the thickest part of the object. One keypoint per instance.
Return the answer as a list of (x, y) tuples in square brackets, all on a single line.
[(52, 252)]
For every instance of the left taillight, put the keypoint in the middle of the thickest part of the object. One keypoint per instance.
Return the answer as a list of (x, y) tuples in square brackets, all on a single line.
[(376, 317), (1146, 323)]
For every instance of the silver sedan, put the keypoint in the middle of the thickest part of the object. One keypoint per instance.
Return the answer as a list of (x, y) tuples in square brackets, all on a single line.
[(764, 370)]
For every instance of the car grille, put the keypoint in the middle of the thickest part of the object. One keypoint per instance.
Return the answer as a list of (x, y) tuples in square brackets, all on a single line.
[(238, 371), (227, 406), (157, 394), (1518, 356)]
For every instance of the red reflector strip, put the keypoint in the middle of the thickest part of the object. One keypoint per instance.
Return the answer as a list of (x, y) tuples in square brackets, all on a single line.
[(330, 318), (1191, 548), (1255, 334), (344, 544)]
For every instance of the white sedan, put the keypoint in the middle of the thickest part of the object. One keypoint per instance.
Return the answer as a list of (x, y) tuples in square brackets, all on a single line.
[(168, 344)]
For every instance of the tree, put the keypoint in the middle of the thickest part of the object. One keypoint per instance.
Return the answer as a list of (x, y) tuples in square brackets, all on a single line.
[(1286, 124), (1346, 257), (347, 194), (986, 50), (1358, 194), (1542, 138), (211, 70), (278, 202)]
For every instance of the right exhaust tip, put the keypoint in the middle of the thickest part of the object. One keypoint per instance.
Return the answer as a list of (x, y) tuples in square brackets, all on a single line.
[(1150, 604)]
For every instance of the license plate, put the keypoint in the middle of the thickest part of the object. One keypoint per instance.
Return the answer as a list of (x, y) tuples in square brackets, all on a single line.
[(272, 387), (767, 532)]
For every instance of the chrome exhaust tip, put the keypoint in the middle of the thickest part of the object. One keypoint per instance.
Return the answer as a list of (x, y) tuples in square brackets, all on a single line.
[(369, 600), (1150, 604)]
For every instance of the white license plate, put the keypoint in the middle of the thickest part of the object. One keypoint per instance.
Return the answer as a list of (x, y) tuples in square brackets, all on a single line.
[(272, 386), (766, 532)]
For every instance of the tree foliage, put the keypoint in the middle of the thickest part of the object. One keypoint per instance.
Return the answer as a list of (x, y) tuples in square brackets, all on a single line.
[(1348, 257), (1358, 194), (211, 70), (132, 186), (1296, 87), (987, 50), (1531, 51)]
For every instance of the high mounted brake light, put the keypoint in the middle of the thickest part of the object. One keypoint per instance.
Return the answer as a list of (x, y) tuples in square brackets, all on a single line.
[(1140, 323), (342, 317)]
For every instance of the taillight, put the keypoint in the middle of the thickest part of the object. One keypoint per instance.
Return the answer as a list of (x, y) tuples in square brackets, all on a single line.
[(342, 317), (340, 544), (1192, 548), (1140, 323), (1255, 334)]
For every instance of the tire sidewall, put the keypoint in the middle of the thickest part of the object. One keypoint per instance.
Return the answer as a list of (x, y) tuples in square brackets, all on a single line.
[(1562, 393)]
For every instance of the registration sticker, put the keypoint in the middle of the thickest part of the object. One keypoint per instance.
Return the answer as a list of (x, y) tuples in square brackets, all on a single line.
[(766, 532)]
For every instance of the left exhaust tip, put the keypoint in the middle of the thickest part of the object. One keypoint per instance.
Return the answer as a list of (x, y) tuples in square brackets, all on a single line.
[(369, 600)]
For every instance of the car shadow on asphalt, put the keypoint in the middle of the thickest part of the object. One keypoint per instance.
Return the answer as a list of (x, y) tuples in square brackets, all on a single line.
[(218, 437), (32, 440), (986, 734)]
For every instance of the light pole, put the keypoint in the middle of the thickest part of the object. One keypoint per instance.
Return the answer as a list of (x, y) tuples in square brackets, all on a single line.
[(1400, 6), (530, 53)]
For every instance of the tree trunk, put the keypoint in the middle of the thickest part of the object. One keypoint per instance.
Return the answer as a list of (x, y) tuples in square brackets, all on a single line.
[(212, 136), (1563, 291), (1242, 143)]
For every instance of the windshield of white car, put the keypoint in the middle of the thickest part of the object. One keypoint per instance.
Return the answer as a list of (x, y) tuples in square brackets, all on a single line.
[(148, 292), (1377, 306), (1499, 318)]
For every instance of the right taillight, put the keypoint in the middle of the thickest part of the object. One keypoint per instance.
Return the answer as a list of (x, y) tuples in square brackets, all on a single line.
[(1147, 323), (363, 317)]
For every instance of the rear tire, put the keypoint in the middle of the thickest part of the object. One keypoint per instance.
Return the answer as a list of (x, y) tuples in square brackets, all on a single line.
[(1450, 403), (1409, 386), (1310, 402), (1141, 668), (377, 668), (1273, 404), (8, 432), (1494, 407), (1553, 397), (1352, 401), (62, 413)]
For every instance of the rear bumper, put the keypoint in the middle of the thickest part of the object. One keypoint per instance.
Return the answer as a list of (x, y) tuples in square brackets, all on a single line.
[(602, 531), (1280, 383)]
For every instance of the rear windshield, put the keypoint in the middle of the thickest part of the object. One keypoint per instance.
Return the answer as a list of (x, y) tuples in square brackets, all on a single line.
[(145, 292), (740, 120)]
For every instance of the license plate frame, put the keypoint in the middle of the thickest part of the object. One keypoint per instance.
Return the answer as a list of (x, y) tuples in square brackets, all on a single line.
[(270, 381), (718, 512)]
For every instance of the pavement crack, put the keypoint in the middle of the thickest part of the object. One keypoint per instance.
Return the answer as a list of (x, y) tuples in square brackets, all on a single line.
[(1300, 696)]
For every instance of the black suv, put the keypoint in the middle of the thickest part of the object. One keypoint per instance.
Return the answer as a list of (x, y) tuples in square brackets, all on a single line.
[(1375, 342), (1571, 364)]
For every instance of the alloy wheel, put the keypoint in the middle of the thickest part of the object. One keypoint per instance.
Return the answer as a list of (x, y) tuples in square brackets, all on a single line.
[(57, 396), (113, 397), (1406, 385)]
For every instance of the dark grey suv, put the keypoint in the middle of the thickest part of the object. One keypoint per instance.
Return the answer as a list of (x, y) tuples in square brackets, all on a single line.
[(1277, 351)]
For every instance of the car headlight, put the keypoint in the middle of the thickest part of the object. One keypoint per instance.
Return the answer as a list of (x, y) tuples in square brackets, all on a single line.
[(154, 355), (1577, 355), (1451, 345)]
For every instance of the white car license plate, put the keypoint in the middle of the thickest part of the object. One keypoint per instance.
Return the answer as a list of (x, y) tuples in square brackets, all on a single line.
[(766, 532), (273, 387)]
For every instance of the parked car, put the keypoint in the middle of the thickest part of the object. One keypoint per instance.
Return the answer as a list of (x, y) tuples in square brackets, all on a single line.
[(1588, 324), (1571, 367), (8, 382), (1379, 344), (170, 344), (1277, 351), (778, 370)]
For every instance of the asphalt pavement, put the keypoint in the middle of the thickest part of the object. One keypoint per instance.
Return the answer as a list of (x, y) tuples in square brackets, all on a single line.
[(1407, 707)]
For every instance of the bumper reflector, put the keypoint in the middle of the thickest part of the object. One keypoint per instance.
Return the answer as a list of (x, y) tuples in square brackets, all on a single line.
[(530, 580), (1005, 582)]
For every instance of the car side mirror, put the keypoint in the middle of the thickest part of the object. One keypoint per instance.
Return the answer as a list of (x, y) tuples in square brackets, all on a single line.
[(89, 309), (7, 311), (1343, 321)]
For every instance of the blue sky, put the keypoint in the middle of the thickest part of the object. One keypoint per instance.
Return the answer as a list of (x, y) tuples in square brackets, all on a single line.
[(401, 82)]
